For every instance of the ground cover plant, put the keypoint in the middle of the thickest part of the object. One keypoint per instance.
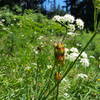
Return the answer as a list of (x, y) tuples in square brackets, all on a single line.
[(35, 53)]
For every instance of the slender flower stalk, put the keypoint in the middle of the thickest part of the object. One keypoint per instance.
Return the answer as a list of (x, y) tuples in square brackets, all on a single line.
[(58, 77), (59, 60), (57, 92)]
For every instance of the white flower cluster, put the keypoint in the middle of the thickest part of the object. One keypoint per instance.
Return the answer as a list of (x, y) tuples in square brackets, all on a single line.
[(56, 18), (70, 21), (83, 76), (84, 60), (49, 66), (66, 95), (79, 23), (71, 27), (72, 54), (74, 50), (84, 55), (35, 51), (3, 20), (66, 18), (69, 18)]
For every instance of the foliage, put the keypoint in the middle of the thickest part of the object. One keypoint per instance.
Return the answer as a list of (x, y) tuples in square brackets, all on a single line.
[(27, 59)]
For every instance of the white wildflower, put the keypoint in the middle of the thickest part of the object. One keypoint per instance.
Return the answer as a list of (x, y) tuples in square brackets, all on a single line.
[(71, 27), (84, 55), (35, 51), (3, 20), (49, 66), (84, 62), (72, 56), (78, 44), (74, 50), (79, 23), (61, 19), (66, 94), (81, 75), (56, 18), (69, 18)]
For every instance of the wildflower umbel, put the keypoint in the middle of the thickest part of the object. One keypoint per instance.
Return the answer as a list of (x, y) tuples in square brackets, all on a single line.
[(79, 23), (85, 62)]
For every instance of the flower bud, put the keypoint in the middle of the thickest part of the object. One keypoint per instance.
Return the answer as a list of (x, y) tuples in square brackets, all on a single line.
[(58, 76), (59, 51)]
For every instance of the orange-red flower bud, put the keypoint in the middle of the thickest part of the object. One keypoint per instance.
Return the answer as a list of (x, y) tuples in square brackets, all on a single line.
[(59, 52), (60, 58)]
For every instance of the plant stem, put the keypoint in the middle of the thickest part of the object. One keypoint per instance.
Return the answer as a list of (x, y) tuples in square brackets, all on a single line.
[(70, 66), (57, 92), (58, 84)]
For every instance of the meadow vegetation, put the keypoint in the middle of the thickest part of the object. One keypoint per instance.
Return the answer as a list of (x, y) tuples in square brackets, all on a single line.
[(27, 59)]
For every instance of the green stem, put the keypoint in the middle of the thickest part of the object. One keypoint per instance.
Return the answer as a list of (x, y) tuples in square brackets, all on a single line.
[(57, 92), (70, 67), (58, 84)]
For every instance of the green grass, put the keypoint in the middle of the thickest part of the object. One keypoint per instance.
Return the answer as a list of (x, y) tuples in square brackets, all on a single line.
[(25, 56)]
